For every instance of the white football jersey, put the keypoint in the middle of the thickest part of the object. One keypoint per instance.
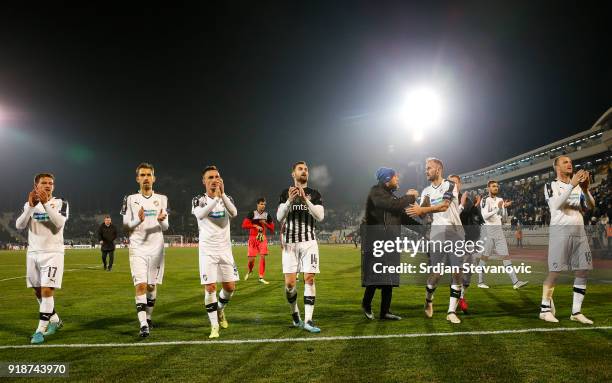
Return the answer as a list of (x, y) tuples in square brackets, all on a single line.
[(490, 211), (147, 238), (436, 195), (215, 227), (43, 235), (570, 212)]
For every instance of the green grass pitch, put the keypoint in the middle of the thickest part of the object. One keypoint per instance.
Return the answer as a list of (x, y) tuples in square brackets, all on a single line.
[(98, 307)]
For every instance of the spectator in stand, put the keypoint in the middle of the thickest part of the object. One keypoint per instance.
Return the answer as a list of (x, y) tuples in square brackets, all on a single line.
[(519, 236)]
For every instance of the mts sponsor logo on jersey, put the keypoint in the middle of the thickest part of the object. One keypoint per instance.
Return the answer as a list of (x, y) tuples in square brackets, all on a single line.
[(299, 207), (217, 214), (150, 213), (41, 217)]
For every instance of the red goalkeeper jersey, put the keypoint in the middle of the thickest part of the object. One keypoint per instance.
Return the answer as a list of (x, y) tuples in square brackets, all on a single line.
[(255, 219)]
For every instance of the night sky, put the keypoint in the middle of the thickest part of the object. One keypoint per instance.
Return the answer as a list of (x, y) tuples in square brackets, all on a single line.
[(87, 93)]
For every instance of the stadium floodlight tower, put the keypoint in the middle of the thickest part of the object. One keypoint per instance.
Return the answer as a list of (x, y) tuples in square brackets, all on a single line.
[(422, 111)]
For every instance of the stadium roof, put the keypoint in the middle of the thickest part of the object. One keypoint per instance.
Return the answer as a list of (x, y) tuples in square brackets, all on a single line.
[(593, 141)]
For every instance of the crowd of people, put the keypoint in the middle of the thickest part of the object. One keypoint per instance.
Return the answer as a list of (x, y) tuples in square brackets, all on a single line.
[(529, 209)]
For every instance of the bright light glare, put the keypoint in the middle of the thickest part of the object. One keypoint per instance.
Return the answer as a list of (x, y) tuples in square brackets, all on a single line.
[(422, 110)]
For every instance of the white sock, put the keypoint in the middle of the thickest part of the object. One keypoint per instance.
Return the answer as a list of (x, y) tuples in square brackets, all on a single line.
[(455, 293), (151, 297), (45, 310), (547, 293), (429, 292), (210, 300), (291, 294), (480, 273), (141, 309), (511, 274), (224, 298), (309, 301), (579, 292)]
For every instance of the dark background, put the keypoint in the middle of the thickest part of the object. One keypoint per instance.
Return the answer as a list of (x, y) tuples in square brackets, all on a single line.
[(92, 90)]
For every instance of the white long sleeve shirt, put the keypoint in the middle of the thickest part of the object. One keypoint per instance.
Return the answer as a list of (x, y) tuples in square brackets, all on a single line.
[(213, 215), (145, 236), (45, 224)]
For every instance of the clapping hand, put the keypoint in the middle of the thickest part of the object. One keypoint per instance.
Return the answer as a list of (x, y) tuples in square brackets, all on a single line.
[(162, 215)]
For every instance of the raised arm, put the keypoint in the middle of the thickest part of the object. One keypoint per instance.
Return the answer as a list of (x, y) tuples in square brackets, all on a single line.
[(229, 205), (57, 217), (202, 211), (24, 218)]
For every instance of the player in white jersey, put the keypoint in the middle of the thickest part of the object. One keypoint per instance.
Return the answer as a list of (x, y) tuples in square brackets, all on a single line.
[(44, 216), (568, 247), (145, 217), (441, 199), (298, 209), (213, 211), (493, 210)]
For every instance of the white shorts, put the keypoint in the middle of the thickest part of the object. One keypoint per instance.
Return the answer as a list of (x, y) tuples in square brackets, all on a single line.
[(218, 268), (569, 253), (495, 243), (301, 257), (44, 270), (147, 269)]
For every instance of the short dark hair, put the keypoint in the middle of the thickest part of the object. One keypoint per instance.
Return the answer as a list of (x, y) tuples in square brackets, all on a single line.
[(209, 168), (492, 182), (261, 199), (298, 163), (145, 165), (43, 175), (107, 216)]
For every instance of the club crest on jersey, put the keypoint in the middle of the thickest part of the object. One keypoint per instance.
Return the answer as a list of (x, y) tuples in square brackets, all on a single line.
[(156, 203)]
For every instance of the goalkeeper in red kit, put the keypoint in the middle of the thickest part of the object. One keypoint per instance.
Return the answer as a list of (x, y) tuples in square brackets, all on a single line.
[(257, 222)]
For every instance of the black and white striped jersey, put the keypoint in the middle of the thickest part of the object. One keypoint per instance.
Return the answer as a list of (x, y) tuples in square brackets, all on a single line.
[(299, 226)]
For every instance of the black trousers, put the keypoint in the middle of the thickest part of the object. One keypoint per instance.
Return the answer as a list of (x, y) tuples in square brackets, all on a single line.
[(386, 293), (111, 253)]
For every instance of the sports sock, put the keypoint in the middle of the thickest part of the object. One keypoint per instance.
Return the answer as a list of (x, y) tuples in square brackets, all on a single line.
[(512, 273), (151, 296), (141, 309), (210, 301), (45, 313), (309, 301), (579, 292), (262, 266), (429, 292), (547, 293), (224, 298), (291, 294), (455, 293), (481, 263)]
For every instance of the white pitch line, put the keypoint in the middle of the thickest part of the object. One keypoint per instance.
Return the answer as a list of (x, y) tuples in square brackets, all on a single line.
[(25, 276), (313, 339)]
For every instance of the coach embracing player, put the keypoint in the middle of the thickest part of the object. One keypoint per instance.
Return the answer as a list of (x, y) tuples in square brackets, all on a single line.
[(384, 215)]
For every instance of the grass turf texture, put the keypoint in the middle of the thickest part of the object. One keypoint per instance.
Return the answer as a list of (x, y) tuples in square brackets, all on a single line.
[(98, 307)]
